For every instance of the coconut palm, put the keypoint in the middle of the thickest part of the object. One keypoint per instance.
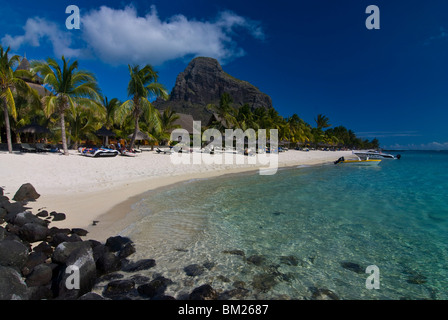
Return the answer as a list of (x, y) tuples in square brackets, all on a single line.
[(109, 112), (69, 87), (299, 130), (82, 124), (111, 107), (162, 134), (322, 121), (142, 86), (225, 112), (245, 118), (167, 118), (11, 81), (25, 114)]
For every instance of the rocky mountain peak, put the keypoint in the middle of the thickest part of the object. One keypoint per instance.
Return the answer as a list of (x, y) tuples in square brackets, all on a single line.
[(203, 82)]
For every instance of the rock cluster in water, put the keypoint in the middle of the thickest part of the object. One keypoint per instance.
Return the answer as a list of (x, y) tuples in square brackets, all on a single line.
[(36, 262)]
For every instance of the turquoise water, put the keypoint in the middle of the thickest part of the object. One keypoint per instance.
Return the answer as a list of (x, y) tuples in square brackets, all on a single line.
[(280, 236)]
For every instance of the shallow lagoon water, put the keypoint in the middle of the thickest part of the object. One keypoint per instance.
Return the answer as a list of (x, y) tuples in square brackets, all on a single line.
[(282, 236)]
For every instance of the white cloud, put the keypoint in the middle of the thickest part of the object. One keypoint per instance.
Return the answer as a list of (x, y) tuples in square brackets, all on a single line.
[(38, 30), (120, 36)]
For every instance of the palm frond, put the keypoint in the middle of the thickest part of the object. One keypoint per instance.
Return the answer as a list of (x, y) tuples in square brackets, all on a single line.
[(50, 105), (10, 102), (124, 111), (151, 116)]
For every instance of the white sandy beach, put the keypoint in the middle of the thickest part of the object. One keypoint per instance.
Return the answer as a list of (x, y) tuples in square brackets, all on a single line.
[(103, 189)]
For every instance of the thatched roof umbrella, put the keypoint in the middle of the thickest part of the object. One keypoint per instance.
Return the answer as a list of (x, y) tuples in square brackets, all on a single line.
[(141, 136), (34, 129), (284, 143), (106, 133)]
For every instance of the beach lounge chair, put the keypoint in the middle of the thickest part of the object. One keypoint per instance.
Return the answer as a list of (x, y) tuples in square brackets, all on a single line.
[(40, 147), (164, 152), (25, 147)]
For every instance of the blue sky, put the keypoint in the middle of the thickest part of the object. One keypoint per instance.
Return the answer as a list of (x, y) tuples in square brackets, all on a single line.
[(311, 57)]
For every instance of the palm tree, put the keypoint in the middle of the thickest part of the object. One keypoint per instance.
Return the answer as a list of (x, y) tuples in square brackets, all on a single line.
[(110, 109), (162, 134), (299, 130), (142, 86), (322, 121), (225, 112), (245, 118), (11, 81), (82, 124), (167, 118), (70, 87), (261, 116)]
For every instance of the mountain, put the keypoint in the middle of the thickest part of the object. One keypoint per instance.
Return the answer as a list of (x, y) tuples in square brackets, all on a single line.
[(203, 82)]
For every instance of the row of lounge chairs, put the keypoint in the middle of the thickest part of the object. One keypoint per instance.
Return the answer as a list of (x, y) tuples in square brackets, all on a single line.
[(38, 147)]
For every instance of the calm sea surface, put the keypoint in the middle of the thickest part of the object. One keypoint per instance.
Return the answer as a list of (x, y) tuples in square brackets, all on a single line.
[(283, 236)]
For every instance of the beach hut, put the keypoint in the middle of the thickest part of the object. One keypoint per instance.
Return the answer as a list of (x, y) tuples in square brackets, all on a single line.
[(185, 122), (36, 82)]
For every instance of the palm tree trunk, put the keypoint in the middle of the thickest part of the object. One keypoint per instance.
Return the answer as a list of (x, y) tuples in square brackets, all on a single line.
[(76, 144), (7, 125), (64, 138), (135, 133)]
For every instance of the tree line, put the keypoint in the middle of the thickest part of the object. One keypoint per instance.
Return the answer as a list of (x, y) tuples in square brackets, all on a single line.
[(74, 108), (292, 129)]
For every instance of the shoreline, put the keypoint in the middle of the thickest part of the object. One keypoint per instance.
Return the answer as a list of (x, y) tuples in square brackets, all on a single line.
[(110, 204)]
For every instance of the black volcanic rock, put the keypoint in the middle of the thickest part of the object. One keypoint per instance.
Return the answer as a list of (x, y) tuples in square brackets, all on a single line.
[(154, 288), (204, 292), (203, 82), (13, 254), (26, 193), (11, 285), (139, 265), (194, 270)]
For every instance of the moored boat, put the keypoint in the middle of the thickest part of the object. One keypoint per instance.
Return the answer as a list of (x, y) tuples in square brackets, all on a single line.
[(128, 153), (373, 154), (98, 152)]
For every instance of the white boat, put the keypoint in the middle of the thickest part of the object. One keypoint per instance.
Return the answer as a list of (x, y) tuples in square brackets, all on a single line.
[(98, 152), (373, 154), (128, 153), (359, 161)]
